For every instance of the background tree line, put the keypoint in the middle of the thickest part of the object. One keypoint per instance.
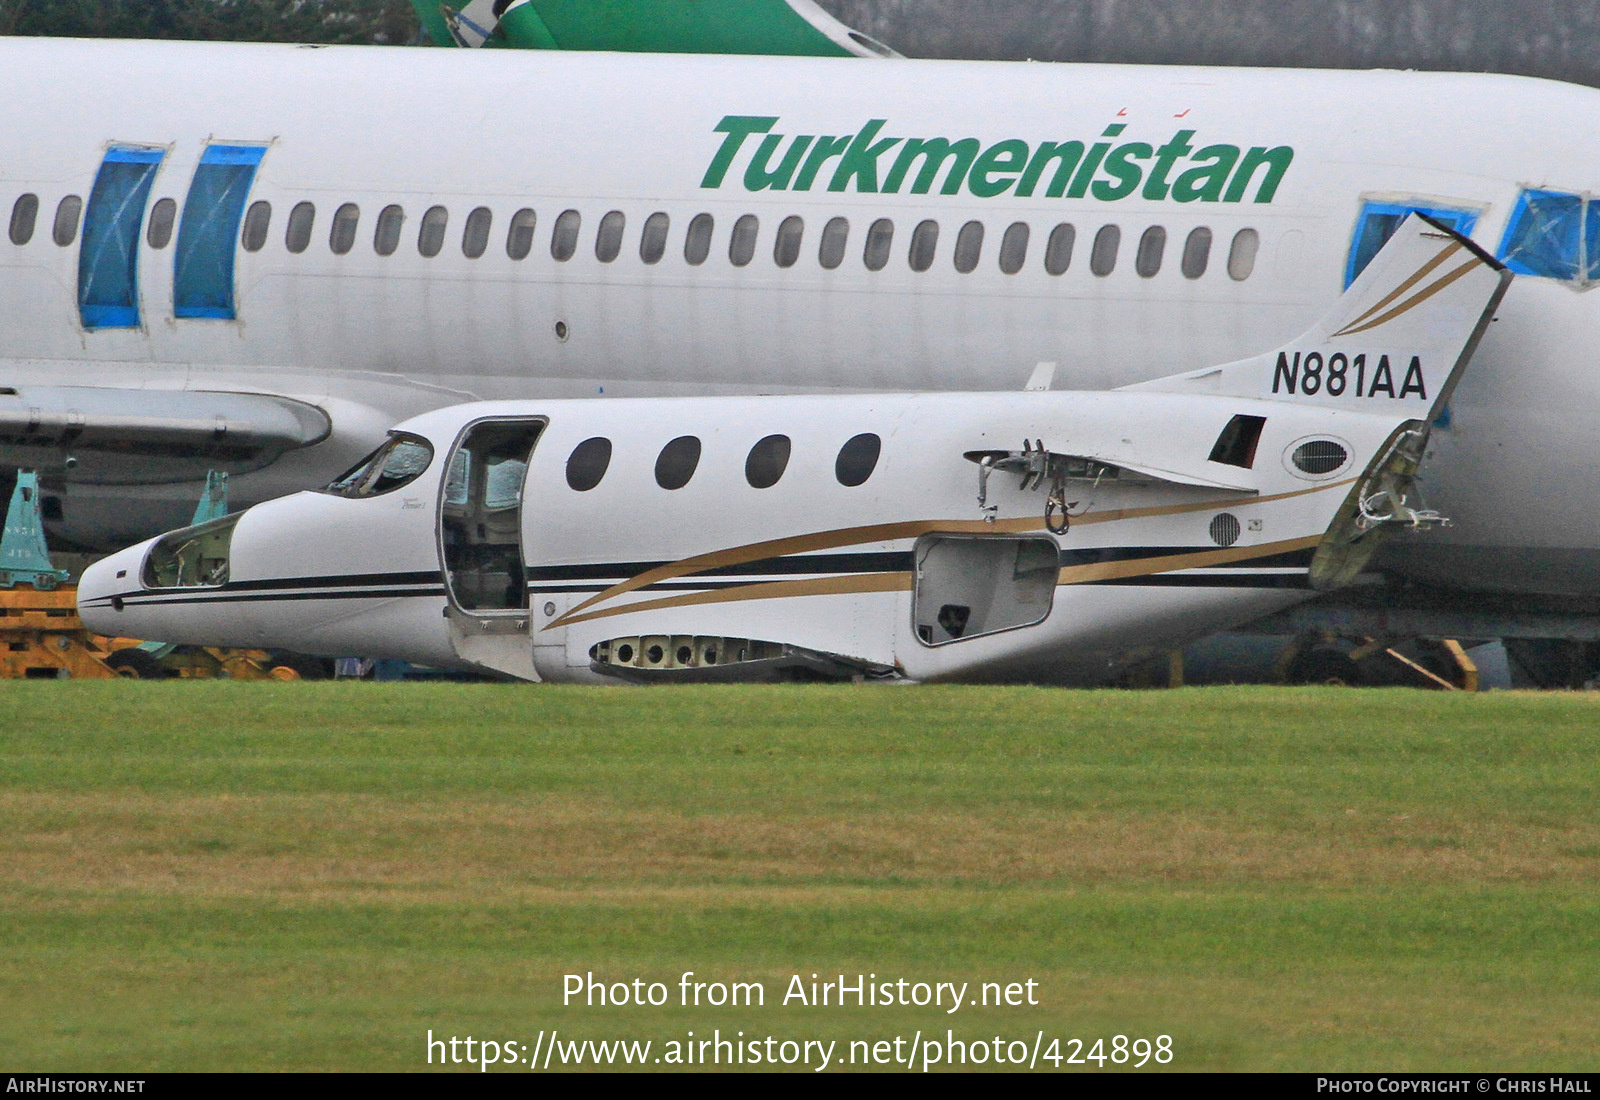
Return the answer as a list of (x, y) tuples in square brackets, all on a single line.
[(1552, 38), (353, 21)]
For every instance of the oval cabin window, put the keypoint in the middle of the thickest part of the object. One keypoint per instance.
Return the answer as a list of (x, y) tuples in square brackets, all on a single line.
[(857, 459), (588, 463), (677, 462)]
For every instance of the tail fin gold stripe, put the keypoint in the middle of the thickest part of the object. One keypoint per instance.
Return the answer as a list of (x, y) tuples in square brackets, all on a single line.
[(1414, 301), (1422, 273)]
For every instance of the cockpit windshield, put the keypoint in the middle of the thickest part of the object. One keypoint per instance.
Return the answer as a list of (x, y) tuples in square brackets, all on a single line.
[(400, 461)]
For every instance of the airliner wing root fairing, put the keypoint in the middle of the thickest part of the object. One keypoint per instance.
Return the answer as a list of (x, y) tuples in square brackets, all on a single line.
[(1046, 536)]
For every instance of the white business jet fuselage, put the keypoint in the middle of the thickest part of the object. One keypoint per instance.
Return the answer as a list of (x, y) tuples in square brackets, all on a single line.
[(630, 225), (1040, 536)]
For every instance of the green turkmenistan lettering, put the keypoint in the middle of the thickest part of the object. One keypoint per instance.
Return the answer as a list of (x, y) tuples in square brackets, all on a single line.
[(1104, 171)]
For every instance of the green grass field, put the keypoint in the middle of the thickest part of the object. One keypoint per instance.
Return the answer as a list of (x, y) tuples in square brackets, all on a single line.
[(312, 876)]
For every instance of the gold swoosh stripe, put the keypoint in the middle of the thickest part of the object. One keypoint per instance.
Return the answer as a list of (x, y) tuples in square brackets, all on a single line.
[(1412, 302), (892, 532), (902, 582), (1421, 273), (773, 590), (1140, 567)]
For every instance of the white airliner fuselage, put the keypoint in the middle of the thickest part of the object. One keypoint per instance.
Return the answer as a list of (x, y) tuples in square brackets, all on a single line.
[(685, 237)]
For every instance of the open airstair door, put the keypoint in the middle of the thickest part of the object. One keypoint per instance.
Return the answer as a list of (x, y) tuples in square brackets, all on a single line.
[(480, 545)]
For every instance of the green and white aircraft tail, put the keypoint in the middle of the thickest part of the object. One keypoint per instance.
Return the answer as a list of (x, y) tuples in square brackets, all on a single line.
[(797, 28)]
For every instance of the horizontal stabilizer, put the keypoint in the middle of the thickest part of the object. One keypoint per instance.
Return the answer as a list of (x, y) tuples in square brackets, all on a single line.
[(1395, 341), (91, 433)]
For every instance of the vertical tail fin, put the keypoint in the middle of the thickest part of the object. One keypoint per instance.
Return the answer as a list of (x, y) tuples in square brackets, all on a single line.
[(1395, 342)]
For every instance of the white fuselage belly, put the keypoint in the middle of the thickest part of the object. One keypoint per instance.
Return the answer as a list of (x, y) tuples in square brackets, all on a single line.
[(393, 335)]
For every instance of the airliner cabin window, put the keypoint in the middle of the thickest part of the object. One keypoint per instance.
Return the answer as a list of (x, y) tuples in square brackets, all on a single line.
[(1242, 256), (1103, 256), (1553, 235), (1377, 224), (301, 221), (400, 461), (519, 239), (697, 245), (742, 245), (342, 237), (564, 240), (1196, 253), (924, 245), (386, 237), (835, 238), (1058, 251), (65, 229), (857, 459), (969, 247), (608, 242), (880, 237), (677, 462), (430, 235), (786, 250), (1152, 247), (257, 221), (23, 215), (1014, 248), (767, 461), (163, 216), (653, 241), (475, 237), (587, 464)]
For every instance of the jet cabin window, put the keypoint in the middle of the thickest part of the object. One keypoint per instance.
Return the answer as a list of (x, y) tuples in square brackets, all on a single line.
[(302, 219), (1014, 248), (342, 237), (608, 242), (1058, 252), (108, 278), (564, 240), (1377, 224), (924, 245), (202, 281), (475, 237), (742, 244), (697, 245), (430, 236), (257, 222), (835, 238), (1554, 235), (519, 240), (653, 241), (399, 462), (1196, 253), (386, 236), (23, 216), (65, 229)]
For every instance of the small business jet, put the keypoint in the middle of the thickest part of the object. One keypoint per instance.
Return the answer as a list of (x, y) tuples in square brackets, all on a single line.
[(984, 536)]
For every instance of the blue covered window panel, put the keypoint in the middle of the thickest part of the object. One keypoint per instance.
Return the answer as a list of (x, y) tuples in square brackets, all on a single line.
[(1379, 220), (1553, 235), (108, 259), (208, 236)]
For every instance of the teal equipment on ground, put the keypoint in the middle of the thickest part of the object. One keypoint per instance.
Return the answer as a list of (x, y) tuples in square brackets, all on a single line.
[(24, 557)]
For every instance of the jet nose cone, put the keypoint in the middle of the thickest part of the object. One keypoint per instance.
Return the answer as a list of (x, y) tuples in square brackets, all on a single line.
[(104, 585)]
